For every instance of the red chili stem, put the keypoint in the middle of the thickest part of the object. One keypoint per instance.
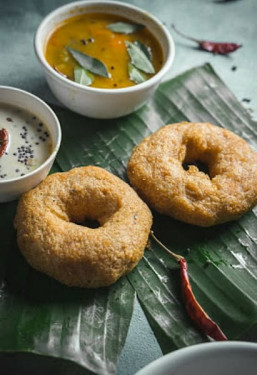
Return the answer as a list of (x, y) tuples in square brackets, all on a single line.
[(176, 256), (209, 46), (193, 308), (4, 138), (186, 36)]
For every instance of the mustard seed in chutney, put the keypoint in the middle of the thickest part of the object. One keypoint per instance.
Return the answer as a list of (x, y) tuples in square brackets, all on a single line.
[(29, 142)]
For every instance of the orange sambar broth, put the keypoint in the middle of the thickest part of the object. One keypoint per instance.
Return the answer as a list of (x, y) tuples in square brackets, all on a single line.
[(105, 45)]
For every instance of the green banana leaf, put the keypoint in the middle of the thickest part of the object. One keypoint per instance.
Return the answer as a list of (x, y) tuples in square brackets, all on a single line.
[(85, 330), (40, 316)]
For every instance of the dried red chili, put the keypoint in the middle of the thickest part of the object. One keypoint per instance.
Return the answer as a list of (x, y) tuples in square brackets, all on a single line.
[(193, 308), (214, 47), (3, 141)]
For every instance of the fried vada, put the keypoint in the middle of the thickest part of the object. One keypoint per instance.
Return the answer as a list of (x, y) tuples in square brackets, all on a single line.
[(53, 240), (198, 173)]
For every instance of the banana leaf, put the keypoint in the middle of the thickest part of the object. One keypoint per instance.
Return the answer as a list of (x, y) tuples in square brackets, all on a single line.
[(80, 331)]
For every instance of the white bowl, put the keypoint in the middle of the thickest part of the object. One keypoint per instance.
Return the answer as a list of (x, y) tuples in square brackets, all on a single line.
[(96, 102), (13, 188), (215, 358)]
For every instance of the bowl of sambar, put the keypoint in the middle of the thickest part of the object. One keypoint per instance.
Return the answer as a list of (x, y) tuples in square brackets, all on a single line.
[(103, 59)]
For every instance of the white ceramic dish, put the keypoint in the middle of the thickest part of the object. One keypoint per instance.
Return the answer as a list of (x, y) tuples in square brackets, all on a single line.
[(216, 358), (96, 102), (13, 188)]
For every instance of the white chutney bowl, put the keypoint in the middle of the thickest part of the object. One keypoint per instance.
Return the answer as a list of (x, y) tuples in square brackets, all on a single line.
[(97, 102), (12, 188)]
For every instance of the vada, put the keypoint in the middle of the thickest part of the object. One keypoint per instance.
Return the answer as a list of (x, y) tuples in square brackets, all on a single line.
[(52, 238), (198, 173)]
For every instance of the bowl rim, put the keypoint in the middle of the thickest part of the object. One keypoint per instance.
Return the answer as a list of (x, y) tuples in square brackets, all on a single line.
[(38, 47), (180, 355), (57, 144)]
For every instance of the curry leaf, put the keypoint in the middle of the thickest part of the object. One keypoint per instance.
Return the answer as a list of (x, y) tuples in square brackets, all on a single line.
[(89, 63), (82, 76), (139, 58), (144, 48), (135, 75), (125, 27)]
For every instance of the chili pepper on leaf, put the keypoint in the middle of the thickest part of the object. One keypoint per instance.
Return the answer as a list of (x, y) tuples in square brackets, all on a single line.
[(214, 47), (193, 308), (3, 141)]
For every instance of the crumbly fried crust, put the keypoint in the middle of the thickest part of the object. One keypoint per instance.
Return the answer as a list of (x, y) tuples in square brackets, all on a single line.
[(53, 242), (229, 189)]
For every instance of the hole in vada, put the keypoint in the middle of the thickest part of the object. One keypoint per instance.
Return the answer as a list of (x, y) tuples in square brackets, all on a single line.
[(194, 156), (93, 224), (201, 166)]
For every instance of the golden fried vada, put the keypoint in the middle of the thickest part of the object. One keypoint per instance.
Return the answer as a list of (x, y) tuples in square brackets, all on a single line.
[(52, 240), (164, 170)]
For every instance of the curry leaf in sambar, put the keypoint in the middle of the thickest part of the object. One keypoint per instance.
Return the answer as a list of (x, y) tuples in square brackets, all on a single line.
[(82, 76), (139, 58), (144, 48), (89, 63), (124, 27), (135, 75)]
